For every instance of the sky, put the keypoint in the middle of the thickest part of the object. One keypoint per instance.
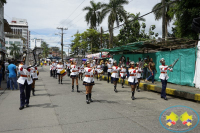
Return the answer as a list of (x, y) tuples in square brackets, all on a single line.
[(44, 16)]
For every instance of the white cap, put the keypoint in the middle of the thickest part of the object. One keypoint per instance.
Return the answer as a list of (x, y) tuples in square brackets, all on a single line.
[(132, 63), (162, 59)]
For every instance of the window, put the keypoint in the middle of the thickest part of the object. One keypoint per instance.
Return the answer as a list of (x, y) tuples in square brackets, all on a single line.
[(6, 42), (17, 42), (10, 42)]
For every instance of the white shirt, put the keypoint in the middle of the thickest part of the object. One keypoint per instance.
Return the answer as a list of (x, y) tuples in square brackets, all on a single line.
[(133, 78), (88, 71), (123, 72), (68, 65), (22, 80), (139, 71), (163, 72), (59, 68), (74, 70), (34, 73), (115, 70), (109, 67), (111, 60)]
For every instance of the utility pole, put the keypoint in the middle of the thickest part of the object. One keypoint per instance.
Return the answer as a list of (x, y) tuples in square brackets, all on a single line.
[(62, 29), (163, 19)]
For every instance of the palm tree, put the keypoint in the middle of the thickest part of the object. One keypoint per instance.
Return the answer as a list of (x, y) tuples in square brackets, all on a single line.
[(14, 50), (158, 14), (116, 13), (93, 16)]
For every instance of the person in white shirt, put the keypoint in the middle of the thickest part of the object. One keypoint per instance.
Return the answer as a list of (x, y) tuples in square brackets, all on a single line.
[(111, 60), (115, 74), (109, 65), (164, 77), (74, 75), (88, 81), (68, 68), (132, 79), (59, 67), (139, 76), (51, 70), (34, 75), (81, 71), (98, 70), (123, 74), (25, 82)]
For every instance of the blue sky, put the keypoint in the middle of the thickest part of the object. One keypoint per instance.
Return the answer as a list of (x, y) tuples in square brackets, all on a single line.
[(44, 16)]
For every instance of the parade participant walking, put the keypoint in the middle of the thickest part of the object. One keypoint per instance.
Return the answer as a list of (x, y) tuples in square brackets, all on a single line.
[(109, 65), (59, 68), (81, 71), (132, 78), (152, 69), (99, 70), (127, 66), (25, 82), (123, 74), (34, 75), (54, 70), (88, 81), (115, 74), (51, 70), (68, 68), (164, 77), (139, 76), (74, 75)]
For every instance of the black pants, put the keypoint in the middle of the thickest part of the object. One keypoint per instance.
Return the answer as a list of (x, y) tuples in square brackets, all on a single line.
[(25, 91), (68, 72), (164, 86), (109, 75), (51, 73)]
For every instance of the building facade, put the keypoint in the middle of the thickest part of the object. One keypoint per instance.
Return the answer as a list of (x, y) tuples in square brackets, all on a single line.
[(36, 43), (20, 27)]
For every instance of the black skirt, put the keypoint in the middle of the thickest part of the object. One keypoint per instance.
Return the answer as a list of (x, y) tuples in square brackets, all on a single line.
[(73, 76), (88, 84)]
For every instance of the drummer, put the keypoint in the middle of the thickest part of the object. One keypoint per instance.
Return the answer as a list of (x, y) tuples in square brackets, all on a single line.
[(123, 74), (59, 67)]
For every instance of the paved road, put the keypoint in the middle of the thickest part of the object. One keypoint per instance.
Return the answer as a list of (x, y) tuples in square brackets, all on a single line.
[(55, 109)]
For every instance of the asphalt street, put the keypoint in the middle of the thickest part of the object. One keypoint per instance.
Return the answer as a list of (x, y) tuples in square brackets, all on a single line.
[(55, 109)]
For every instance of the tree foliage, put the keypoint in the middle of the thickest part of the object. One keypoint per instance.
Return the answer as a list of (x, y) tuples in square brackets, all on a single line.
[(14, 50), (116, 13), (45, 47), (185, 11), (88, 41), (93, 16), (3, 1)]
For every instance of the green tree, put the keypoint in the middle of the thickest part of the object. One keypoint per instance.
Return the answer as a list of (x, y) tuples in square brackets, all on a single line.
[(14, 50), (45, 47), (3, 1), (93, 16), (131, 30), (116, 13), (185, 11), (158, 13), (88, 41)]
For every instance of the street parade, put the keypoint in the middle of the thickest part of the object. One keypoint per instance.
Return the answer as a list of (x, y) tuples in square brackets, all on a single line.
[(99, 66)]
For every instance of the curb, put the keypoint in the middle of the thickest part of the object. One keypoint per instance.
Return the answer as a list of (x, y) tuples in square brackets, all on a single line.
[(169, 91)]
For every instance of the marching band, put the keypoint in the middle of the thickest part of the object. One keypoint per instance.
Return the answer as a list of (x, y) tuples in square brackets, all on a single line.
[(28, 76)]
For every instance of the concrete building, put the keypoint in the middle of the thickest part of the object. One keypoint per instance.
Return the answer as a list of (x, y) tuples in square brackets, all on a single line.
[(14, 39), (20, 26), (36, 43), (4, 27)]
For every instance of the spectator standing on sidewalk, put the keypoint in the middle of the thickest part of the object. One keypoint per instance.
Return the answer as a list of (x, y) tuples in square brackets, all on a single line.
[(145, 72), (6, 70), (13, 76), (3, 71), (152, 70)]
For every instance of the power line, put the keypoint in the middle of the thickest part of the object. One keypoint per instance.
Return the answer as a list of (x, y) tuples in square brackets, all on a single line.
[(142, 16)]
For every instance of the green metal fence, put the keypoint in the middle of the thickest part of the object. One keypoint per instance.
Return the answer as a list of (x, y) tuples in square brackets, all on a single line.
[(183, 71)]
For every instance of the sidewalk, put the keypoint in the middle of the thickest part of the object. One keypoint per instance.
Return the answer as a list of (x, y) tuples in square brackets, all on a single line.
[(186, 92)]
